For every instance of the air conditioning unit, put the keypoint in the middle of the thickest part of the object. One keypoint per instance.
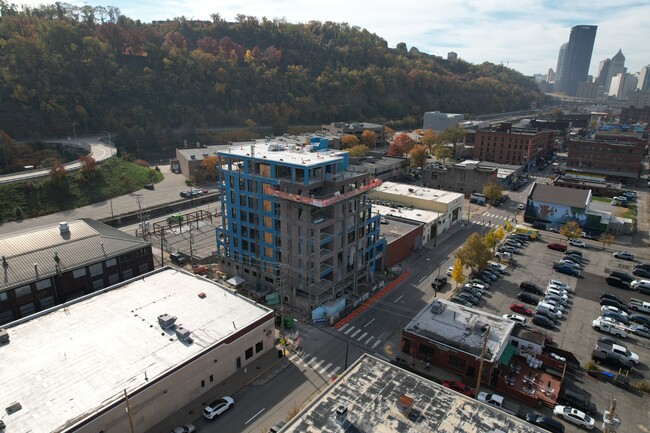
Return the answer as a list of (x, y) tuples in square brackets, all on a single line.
[(166, 321)]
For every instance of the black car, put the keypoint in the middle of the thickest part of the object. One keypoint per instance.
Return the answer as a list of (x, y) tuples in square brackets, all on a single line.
[(542, 321), (149, 186), (617, 282), (622, 275), (578, 399), (545, 422), (460, 301), (527, 286), (438, 282), (468, 297), (574, 253), (640, 318), (613, 303), (528, 298), (604, 295), (644, 266), (640, 272)]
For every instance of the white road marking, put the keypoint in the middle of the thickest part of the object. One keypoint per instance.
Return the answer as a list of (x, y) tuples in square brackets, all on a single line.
[(343, 327), (369, 340), (362, 336), (254, 416), (372, 320), (325, 368), (349, 330), (355, 334), (376, 344), (315, 367), (333, 372), (395, 302), (310, 361)]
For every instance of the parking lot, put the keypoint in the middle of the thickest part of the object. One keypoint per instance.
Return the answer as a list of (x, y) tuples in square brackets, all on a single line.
[(575, 333)]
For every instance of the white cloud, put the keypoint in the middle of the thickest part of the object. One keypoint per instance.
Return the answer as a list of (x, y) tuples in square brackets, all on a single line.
[(525, 33)]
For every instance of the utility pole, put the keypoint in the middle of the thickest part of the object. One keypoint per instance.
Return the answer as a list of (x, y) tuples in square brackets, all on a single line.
[(486, 333), (610, 422), (128, 410), (191, 246), (138, 198)]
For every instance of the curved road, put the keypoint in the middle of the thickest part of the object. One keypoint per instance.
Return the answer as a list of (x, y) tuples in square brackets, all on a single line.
[(97, 149)]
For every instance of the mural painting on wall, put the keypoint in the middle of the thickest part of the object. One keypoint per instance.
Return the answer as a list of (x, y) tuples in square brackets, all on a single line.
[(556, 213)]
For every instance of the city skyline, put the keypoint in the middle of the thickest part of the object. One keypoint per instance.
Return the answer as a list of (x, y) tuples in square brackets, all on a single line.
[(473, 29)]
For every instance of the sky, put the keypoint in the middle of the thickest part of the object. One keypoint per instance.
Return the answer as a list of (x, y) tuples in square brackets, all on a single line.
[(525, 35)]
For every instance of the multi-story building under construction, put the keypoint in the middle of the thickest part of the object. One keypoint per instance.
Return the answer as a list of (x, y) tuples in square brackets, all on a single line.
[(297, 222)]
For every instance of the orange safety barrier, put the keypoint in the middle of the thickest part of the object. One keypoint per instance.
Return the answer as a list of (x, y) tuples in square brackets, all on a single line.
[(371, 301)]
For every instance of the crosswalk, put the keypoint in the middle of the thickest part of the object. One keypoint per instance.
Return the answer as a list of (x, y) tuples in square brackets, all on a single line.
[(493, 220), (320, 366), (365, 339)]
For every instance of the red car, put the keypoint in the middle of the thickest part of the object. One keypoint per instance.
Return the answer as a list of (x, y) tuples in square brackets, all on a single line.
[(556, 246), (521, 308), (458, 386)]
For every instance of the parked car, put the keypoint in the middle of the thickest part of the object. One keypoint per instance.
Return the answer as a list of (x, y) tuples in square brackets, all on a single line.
[(488, 274), (497, 267), (577, 243), (187, 428), (610, 326), (556, 246), (579, 400), (460, 301), (624, 255), (218, 407), (560, 284), (458, 386), (531, 287), (149, 186), (492, 399), (508, 249), (616, 350), (640, 318), (610, 340), (450, 269), (177, 258), (521, 309), (517, 318), (573, 258), (543, 321), (185, 194), (611, 361), (622, 275), (614, 303), (528, 298), (640, 272), (477, 281), (645, 266), (574, 253), (617, 282), (607, 295), (612, 308), (616, 316), (570, 264), (567, 270), (574, 416), (468, 297), (556, 299), (554, 302), (557, 292), (545, 422), (438, 282), (640, 330)]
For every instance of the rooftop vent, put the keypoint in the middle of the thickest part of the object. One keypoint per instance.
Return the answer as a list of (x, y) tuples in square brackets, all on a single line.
[(4, 336), (437, 307), (63, 227), (192, 156), (166, 321), (13, 407), (182, 333)]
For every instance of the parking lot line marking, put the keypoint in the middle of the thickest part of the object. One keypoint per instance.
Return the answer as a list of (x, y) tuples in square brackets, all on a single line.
[(343, 327), (362, 336), (376, 344), (355, 334), (349, 330), (325, 368)]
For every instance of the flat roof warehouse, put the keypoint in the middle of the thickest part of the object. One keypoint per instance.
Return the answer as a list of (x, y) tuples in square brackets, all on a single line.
[(65, 364)]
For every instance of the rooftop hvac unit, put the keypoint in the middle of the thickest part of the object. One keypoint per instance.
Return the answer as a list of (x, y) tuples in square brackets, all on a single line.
[(63, 227), (166, 321), (437, 307), (182, 333)]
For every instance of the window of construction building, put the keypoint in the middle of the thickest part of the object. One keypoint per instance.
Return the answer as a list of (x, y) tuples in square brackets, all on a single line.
[(249, 353), (259, 346)]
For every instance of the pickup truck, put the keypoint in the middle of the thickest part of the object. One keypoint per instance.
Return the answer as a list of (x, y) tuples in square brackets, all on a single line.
[(639, 305), (604, 326), (499, 402)]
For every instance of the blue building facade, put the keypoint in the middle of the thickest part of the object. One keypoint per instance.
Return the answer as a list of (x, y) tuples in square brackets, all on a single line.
[(296, 222)]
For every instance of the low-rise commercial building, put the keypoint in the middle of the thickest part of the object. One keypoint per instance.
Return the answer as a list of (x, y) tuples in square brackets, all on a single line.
[(123, 359), (471, 176), (55, 263), (505, 144), (437, 121), (357, 129)]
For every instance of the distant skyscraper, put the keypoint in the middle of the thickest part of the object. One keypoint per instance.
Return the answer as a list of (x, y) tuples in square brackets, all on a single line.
[(560, 66), (603, 70), (616, 66), (576, 59), (644, 79)]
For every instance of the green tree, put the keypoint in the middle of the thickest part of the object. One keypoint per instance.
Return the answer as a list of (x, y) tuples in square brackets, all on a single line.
[(474, 253), (571, 230), (358, 151), (418, 155), (492, 191), (606, 239), (457, 272)]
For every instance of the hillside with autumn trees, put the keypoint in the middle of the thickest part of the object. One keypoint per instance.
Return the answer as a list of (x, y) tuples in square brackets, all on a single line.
[(94, 69)]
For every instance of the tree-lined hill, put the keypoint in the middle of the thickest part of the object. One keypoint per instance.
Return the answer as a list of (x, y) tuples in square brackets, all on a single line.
[(93, 67)]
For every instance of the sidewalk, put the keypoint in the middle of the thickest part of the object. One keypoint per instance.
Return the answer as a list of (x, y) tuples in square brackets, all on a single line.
[(257, 373)]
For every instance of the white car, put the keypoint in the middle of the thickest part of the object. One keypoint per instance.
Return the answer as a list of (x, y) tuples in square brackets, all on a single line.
[(614, 309), (577, 243), (635, 283), (492, 399), (497, 267), (187, 428), (450, 269), (553, 302), (217, 407), (560, 284), (557, 293), (517, 318), (574, 416), (521, 206)]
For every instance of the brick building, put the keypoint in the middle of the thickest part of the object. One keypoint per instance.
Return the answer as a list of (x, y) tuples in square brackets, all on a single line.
[(513, 146)]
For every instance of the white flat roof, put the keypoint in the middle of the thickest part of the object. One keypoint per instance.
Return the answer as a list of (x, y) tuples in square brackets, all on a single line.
[(278, 151), (460, 327), (423, 216), (68, 363), (420, 192)]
